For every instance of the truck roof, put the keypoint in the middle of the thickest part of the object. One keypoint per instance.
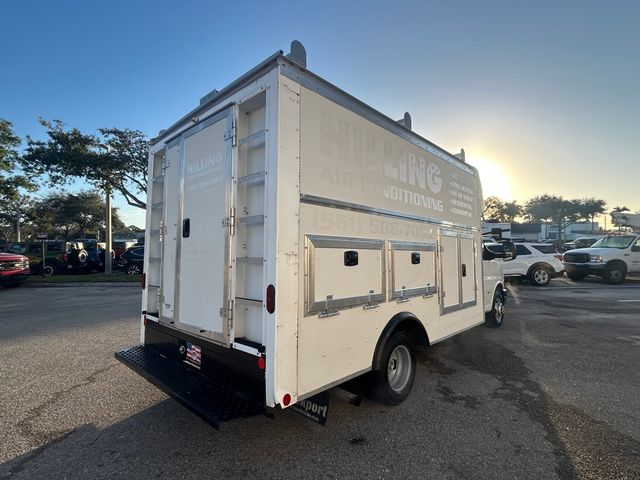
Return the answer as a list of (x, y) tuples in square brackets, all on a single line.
[(301, 74)]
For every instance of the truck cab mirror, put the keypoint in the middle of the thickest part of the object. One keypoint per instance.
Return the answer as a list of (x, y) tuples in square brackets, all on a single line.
[(505, 250), (509, 251)]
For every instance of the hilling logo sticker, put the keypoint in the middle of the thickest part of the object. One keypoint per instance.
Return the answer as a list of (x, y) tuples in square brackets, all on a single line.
[(434, 180)]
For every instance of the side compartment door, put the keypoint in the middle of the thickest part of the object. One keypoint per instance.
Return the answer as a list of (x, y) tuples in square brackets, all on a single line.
[(449, 267), (458, 273), (205, 225), (468, 276)]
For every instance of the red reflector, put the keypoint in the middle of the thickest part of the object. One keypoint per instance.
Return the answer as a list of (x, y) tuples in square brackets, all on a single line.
[(146, 321), (261, 363), (271, 299), (143, 281), (286, 400)]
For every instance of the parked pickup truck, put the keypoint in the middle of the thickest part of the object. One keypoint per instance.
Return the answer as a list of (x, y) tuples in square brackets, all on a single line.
[(611, 258), (14, 269)]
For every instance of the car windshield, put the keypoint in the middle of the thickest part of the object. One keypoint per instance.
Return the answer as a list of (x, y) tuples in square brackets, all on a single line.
[(614, 242)]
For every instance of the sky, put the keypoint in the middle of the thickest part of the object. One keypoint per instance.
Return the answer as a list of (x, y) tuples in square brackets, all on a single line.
[(544, 96)]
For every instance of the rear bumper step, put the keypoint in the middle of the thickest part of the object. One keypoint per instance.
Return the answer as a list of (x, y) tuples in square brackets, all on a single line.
[(213, 402)]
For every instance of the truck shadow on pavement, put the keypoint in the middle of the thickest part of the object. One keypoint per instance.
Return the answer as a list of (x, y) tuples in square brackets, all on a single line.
[(582, 446), (444, 428)]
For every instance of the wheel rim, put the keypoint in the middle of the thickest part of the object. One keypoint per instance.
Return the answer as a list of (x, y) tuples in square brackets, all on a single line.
[(541, 276), (498, 308), (399, 368), (133, 270), (615, 275), (48, 270)]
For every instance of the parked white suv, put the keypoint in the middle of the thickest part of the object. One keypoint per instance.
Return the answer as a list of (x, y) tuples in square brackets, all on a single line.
[(611, 258), (538, 262)]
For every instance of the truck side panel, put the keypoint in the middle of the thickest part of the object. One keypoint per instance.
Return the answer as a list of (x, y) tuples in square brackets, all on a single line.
[(366, 191)]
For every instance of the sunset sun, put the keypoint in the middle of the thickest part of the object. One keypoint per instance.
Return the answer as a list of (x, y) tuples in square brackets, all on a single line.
[(495, 180)]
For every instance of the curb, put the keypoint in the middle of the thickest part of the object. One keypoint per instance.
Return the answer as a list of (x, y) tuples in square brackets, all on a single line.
[(81, 284)]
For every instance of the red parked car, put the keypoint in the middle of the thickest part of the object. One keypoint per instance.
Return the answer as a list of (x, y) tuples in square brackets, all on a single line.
[(14, 269)]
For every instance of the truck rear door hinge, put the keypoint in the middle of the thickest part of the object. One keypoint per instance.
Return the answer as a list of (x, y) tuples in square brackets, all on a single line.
[(231, 134), (227, 312), (230, 221)]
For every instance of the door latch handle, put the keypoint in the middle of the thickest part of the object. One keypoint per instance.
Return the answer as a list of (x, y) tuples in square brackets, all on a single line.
[(186, 227)]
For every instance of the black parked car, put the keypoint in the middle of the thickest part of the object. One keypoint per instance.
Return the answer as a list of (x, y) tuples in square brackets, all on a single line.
[(132, 260)]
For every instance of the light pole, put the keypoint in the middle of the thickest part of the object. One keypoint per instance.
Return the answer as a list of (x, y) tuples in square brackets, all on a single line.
[(108, 260)]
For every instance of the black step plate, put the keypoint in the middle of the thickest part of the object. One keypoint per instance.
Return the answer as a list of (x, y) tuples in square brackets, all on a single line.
[(213, 402)]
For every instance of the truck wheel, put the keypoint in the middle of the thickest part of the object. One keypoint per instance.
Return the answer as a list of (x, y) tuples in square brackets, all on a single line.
[(576, 276), (48, 270), (391, 384), (540, 275), (495, 317), (615, 273)]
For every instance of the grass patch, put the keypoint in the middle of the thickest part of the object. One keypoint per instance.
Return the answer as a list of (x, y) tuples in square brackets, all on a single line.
[(89, 278)]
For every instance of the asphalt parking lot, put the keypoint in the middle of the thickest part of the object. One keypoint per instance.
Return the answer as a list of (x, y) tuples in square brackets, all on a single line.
[(554, 393)]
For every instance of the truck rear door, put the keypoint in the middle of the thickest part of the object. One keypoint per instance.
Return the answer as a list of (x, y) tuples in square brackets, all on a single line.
[(203, 250)]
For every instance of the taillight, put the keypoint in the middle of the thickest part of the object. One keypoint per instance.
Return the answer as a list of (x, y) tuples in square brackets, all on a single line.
[(143, 281), (286, 400), (261, 363), (271, 299)]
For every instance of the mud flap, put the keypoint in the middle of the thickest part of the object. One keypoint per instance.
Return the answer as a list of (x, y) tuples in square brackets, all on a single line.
[(315, 408)]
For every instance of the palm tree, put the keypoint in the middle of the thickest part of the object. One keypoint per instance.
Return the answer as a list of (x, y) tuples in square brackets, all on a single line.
[(619, 210)]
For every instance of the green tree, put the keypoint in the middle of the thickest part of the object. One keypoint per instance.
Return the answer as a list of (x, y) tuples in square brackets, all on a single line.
[(511, 211), (13, 184), (68, 154), (560, 212), (617, 221), (592, 207), (495, 210), (70, 215)]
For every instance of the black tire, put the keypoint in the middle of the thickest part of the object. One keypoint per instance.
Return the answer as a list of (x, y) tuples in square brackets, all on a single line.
[(540, 275), (575, 276), (134, 269), (615, 273), (78, 257), (495, 318), (49, 269), (391, 384)]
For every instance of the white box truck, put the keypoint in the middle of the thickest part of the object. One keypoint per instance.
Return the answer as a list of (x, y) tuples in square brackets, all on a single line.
[(296, 239)]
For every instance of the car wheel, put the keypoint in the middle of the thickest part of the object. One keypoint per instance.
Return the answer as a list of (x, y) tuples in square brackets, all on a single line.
[(495, 317), (576, 276), (134, 269), (392, 383), (48, 270), (615, 274), (540, 275)]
